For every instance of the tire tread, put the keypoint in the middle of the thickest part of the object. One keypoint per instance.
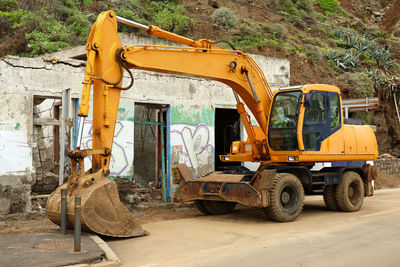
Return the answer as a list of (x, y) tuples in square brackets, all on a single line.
[(273, 210)]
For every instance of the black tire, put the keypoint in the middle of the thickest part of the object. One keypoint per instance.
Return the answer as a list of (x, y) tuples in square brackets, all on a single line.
[(350, 192), (286, 198), (212, 207), (330, 197), (199, 205)]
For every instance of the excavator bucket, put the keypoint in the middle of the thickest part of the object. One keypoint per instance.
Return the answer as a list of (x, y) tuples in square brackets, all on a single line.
[(102, 211)]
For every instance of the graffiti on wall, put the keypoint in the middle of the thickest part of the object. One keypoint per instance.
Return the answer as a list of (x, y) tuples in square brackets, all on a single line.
[(15, 153), (122, 150), (194, 144)]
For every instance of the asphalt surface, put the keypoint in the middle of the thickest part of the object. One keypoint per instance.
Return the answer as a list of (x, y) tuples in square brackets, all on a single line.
[(47, 249), (370, 237)]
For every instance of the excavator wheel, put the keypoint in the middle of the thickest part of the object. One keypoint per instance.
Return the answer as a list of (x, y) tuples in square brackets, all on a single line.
[(199, 205), (350, 192), (286, 198), (212, 207), (102, 211), (330, 197)]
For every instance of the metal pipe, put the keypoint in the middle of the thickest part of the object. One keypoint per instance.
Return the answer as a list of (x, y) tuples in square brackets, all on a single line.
[(236, 96), (132, 23), (80, 131), (252, 87), (77, 225), (63, 211), (164, 187)]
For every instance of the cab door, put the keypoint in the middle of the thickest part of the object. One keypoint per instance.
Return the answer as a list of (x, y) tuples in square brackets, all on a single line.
[(315, 120), (322, 119)]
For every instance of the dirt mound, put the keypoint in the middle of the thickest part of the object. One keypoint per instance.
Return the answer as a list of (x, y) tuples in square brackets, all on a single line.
[(385, 180), (391, 17)]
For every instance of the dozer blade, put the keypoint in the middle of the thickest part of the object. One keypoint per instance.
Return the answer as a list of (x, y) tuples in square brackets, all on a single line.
[(102, 211)]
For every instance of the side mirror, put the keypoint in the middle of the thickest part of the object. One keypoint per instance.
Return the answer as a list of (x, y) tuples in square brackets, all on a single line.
[(308, 100)]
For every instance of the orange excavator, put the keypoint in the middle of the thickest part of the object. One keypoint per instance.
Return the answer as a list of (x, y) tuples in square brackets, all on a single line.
[(298, 126)]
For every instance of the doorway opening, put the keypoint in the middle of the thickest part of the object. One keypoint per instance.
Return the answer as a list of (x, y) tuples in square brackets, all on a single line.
[(47, 116), (227, 130), (150, 138)]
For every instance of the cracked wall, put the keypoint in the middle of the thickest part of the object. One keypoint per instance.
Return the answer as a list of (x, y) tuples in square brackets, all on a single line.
[(21, 79)]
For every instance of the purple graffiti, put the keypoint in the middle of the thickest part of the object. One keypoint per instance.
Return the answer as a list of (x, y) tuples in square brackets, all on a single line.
[(89, 139), (195, 142)]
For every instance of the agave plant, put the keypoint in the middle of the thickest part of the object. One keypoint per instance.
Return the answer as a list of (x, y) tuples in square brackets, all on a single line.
[(348, 61), (332, 55), (375, 76), (339, 34), (352, 40)]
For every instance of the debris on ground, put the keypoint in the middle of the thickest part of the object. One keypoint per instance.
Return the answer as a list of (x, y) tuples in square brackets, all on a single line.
[(132, 193), (385, 181), (386, 155)]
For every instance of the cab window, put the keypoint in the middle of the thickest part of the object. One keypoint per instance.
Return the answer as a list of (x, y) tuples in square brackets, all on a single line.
[(316, 112), (283, 121), (334, 110)]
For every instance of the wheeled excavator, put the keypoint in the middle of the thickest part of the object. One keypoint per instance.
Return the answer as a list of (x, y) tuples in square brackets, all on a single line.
[(298, 126)]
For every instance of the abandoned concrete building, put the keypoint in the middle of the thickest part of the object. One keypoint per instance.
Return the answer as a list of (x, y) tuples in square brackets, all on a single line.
[(162, 120)]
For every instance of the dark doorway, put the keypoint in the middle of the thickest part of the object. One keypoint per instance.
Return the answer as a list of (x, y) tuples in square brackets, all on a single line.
[(227, 130), (150, 120)]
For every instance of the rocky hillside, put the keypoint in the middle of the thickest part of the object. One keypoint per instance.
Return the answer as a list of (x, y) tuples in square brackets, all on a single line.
[(352, 44)]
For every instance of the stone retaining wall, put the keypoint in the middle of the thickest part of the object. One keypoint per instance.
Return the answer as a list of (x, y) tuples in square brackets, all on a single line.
[(389, 166)]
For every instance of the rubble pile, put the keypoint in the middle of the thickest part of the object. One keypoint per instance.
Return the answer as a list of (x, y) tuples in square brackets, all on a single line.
[(132, 193)]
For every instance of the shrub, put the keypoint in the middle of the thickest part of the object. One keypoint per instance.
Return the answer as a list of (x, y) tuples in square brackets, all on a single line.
[(306, 5), (328, 5), (284, 4), (298, 22), (169, 16), (8, 5), (79, 25), (225, 18), (280, 31), (274, 4), (250, 37), (313, 52), (361, 84)]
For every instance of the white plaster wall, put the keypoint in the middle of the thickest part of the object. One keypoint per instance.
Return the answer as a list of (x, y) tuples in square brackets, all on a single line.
[(194, 145)]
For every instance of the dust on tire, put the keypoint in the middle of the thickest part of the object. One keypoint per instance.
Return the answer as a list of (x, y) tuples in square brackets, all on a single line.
[(350, 192), (212, 207), (330, 197), (286, 198)]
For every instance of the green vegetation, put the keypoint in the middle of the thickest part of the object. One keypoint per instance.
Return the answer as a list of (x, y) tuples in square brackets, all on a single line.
[(359, 47), (329, 6), (360, 82), (225, 18), (249, 37), (168, 16), (31, 28)]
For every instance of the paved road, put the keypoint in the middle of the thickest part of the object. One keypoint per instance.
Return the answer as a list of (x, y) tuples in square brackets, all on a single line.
[(370, 237)]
